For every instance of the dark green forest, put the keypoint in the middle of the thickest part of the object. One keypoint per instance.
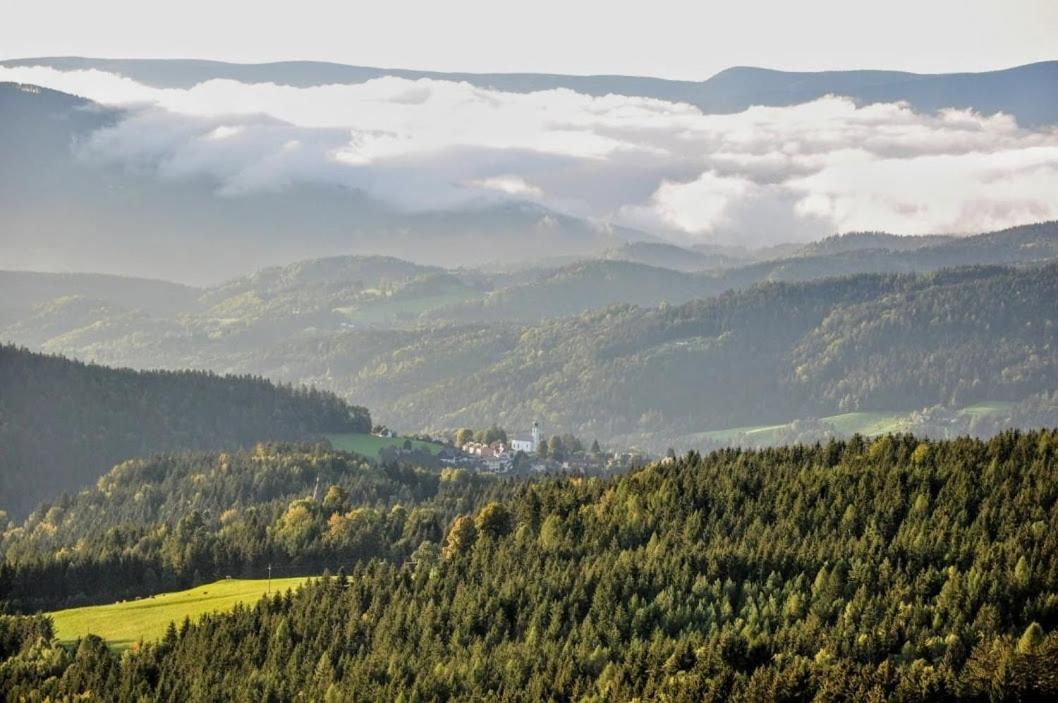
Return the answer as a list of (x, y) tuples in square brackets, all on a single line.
[(893, 569), (63, 423), (176, 520)]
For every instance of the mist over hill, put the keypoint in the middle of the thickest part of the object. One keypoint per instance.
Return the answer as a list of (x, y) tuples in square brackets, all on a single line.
[(1015, 91), (200, 171), (64, 211)]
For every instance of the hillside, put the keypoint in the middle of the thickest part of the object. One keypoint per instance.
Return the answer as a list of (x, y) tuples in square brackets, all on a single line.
[(620, 278), (747, 358), (173, 521), (578, 287), (126, 623), (896, 570), (63, 423), (677, 258), (24, 290), (857, 241), (431, 348), (682, 364), (884, 253)]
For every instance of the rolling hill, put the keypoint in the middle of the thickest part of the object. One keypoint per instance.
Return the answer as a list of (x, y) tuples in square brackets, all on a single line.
[(769, 354), (431, 348), (589, 285), (172, 521), (145, 620)]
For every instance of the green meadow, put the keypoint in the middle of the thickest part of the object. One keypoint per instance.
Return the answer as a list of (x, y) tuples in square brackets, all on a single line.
[(122, 624), (865, 423), (369, 445)]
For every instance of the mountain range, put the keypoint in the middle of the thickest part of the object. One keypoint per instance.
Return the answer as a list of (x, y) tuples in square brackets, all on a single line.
[(1016, 91)]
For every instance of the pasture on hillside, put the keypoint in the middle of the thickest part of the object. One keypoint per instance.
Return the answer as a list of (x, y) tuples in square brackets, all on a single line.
[(122, 624), (370, 446)]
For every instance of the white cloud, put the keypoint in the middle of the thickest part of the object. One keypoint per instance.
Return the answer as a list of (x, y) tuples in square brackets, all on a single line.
[(511, 185), (766, 174)]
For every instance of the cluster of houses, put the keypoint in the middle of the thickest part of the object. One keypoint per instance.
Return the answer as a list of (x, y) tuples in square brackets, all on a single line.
[(503, 456), (499, 456)]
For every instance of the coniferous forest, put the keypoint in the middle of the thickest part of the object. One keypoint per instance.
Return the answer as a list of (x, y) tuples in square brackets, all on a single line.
[(63, 422), (893, 569)]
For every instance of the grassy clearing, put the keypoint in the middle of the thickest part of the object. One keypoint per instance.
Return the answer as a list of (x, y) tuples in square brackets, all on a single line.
[(370, 446), (991, 407), (869, 423), (865, 423), (375, 312), (757, 432), (122, 624)]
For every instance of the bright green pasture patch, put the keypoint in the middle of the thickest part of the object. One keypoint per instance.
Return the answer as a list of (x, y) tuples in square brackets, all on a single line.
[(121, 624), (869, 423), (986, 408), (369, 445)]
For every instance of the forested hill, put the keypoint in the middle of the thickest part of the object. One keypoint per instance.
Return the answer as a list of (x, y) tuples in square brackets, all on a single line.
[(766, 355), (647, 376), (63, 423), (175, 520), (892, 570)]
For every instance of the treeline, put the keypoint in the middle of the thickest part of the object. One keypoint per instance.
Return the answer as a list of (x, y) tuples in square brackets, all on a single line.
[(889, 570), (63, 423), (176, 520)]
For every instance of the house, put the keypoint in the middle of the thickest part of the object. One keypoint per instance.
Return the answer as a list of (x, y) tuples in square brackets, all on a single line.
[(484, 451), (527, 442)]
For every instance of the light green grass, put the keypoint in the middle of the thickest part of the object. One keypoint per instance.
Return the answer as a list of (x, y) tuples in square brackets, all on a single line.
[(991, 407), (121, 624), (761, 432), (375, 312), (866, 423), (370, 446), (869, 424)]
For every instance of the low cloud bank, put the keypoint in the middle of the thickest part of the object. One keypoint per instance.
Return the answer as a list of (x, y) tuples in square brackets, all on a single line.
[(765, 175)]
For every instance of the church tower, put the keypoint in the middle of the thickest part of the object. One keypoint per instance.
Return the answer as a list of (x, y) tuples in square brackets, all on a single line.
[(536, 435)]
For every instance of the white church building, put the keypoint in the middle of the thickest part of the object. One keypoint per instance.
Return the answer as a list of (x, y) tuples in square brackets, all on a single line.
[(527, 442)]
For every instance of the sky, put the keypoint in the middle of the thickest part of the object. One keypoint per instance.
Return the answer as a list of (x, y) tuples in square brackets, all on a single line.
[(665, 38)]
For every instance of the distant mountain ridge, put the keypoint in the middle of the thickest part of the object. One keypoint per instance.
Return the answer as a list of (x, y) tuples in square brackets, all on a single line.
[(1029, 92)]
